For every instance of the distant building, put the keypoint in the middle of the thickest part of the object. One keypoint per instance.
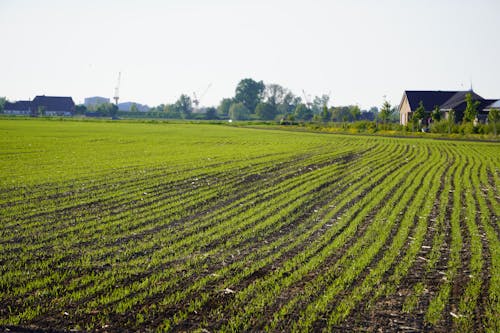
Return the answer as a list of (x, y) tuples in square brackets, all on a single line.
[(93, 101), (445, 100), (19, 108), (132, 106), (53, 106), (42, 106)]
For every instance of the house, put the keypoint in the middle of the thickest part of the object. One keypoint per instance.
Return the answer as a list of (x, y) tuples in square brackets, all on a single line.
[(19, 108), (494, 105), (52, 106), (446, 101)]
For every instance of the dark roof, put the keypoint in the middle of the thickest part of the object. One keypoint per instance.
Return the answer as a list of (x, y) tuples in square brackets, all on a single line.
[(17, 106), (494, 103), (54, 103), (457, 102), (430, 99), (486, 104), (446, 100)]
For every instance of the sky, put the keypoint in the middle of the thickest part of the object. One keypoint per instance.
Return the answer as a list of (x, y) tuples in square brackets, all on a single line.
[(358, 51)]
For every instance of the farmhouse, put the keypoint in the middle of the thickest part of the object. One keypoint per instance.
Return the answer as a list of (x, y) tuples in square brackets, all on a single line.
[(19, 108), (53, 105), (42, 105), (446, 101)]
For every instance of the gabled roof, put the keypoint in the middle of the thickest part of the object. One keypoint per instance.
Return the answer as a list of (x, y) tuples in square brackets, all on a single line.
[(486, 104), (457, 101), (430, 99), (495, 104), (17, 106), (54, 103)]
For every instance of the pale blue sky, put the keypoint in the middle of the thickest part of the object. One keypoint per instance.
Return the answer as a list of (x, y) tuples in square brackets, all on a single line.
[(359, 50)]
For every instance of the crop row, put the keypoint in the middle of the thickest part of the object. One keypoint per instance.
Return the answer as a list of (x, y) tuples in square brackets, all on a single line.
[(255, 230)]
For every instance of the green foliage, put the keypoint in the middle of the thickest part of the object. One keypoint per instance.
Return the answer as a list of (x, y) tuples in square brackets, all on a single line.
[(325, 114), (436, 114), (102, 110), (211, 113), (265, 111), (275, 94), (494, 118), (386, 112), (444, 126), (3, 100), (494, 115), (183, 106), (302, 112), (470, 113), (176, 226), (355, 112), (80, 109), (223, 108), (238, 111), (365, 126), (419, 113), (319, 102), (249, 92)]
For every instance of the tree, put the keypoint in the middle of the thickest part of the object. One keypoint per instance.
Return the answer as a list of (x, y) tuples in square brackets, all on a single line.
[(249, 92), (211, 113), (419, 113), (436, 114), (386, 112), (223, 108), (171, 111), (238, 111), (302, 112), (451, 120), (113, 111), (134, 108), (355, 112), (3, 100), (184, 106), (275, 94), (471, 108), (319, 102), (105, 109), (493, 118), (265, 111), (341, 114), (325, 114), (80, 109), (289, 103)]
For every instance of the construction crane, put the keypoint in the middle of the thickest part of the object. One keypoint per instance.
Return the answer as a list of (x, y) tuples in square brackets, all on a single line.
[(117, 89), (197, 97), (307, 98)]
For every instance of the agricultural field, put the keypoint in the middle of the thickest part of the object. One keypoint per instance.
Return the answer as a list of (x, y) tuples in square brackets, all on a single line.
[(113, 226)]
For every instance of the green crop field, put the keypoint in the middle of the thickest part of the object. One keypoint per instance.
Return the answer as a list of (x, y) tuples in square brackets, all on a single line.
[(112, 226)]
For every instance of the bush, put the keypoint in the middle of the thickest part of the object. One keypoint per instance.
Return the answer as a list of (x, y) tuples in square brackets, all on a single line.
[(364, 126), (444, 126), (468, 128)]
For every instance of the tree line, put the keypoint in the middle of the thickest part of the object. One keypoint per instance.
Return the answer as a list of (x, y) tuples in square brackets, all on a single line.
[(254, 100)]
